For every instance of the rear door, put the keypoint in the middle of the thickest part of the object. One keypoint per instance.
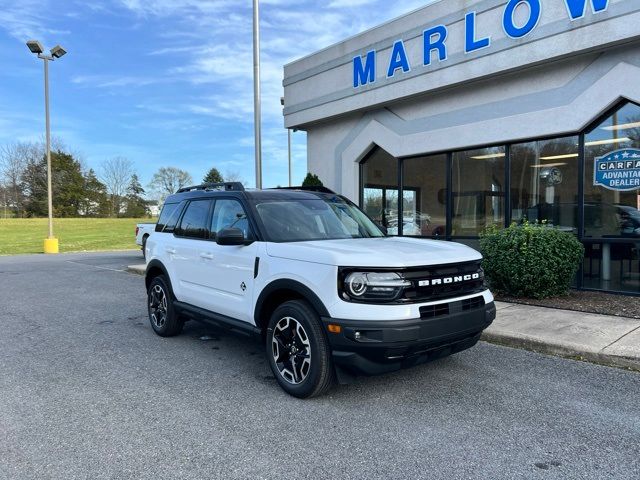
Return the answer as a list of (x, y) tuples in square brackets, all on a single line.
[(190, 237)]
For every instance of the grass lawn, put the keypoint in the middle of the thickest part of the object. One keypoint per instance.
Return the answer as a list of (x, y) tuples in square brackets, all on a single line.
[(19, 235)]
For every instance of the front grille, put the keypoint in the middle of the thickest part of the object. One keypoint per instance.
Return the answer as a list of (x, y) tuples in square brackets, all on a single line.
[(433, 311), (444, 281), (472, 303)]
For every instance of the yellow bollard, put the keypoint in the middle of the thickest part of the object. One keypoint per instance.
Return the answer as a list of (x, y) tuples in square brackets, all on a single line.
[(51, 245)]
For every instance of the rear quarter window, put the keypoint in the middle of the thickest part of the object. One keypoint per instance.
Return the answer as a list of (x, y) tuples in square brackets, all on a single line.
[(169, 217)]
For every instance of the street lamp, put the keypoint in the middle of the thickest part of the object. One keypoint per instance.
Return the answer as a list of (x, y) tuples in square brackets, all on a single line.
[(288, 142), (50, 243), (257, 116)]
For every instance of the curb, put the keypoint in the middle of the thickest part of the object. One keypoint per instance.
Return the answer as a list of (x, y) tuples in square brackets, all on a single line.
[(137, 269), (561, 351)]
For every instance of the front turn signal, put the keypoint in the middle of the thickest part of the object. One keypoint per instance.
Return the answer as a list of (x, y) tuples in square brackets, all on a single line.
[(334, 328)]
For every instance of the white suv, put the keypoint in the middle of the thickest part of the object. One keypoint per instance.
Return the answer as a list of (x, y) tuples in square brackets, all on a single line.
[(306, 270)]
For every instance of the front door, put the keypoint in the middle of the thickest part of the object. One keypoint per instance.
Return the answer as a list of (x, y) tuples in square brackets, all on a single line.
[(229, 270)]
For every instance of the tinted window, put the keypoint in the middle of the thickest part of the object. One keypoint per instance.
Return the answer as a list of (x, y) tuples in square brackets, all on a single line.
[(229, 214), (478, 190), (544, 182), (195, 220), (424, 198), (168, 218)]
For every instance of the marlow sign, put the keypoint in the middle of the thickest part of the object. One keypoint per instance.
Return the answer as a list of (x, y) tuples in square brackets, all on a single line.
[(435, 38), (619, 170)]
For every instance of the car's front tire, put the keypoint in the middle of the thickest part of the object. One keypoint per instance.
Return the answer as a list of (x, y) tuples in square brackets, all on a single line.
[(162, 315), (298, 351)]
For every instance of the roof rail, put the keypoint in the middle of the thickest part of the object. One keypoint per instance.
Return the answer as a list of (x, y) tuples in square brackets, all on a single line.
[(310, 188), (227, 186)]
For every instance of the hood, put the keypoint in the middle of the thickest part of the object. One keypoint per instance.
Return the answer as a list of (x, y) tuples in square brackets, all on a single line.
[(375, 252)]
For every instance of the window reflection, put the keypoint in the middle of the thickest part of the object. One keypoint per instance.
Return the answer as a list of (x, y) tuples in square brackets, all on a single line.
[(425, 200), (544, 182), (380, 194), (478, 190)]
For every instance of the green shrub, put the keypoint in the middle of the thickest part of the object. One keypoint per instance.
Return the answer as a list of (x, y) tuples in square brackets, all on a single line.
[(530, 260)]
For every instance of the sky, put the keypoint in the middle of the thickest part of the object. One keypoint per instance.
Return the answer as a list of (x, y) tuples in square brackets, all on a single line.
[(168, 82)]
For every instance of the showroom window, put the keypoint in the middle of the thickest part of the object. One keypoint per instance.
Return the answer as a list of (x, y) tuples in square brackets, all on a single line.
[(379, 174), (612, 212), (544, 182), (611, 202), (478, 190), (424, 202), (587, 184)]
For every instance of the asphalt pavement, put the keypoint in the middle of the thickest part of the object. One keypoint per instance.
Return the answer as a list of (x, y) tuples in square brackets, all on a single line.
[(87, 390)]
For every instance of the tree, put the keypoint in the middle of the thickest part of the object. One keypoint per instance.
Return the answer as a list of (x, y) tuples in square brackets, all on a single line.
[(95, 197), (136, 205), (168, 180), (13, 162), (213, 176), (233, 176), (116, 174), (312, 180), (68, 185)]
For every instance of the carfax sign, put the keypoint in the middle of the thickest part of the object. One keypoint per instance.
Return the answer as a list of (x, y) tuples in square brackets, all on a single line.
[(618, 170)]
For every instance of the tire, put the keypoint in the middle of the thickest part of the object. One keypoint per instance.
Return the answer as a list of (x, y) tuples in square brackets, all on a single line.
[(144, 246), (298, 350), (162, 315)]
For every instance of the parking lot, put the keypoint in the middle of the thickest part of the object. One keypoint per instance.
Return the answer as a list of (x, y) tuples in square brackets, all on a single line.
[(87, 390)]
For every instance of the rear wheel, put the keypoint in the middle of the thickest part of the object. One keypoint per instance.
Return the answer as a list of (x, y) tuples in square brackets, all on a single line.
[(162, 315), (298, 352)]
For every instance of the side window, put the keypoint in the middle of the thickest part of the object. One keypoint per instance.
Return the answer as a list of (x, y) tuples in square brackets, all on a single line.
[(169, 217), (229, 214), (195, 219)]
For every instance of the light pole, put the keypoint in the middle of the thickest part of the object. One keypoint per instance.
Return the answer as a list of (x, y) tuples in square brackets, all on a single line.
[(256, 92), (50, 243), (288, 143)]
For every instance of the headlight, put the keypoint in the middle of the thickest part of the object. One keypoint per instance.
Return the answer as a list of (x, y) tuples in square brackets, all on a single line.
[(371, 286)]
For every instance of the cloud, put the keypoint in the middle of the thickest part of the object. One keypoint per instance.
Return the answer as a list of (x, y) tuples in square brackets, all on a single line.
[(27, 19)]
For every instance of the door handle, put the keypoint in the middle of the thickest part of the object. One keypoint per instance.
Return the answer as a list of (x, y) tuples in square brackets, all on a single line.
[(207, 256), (170, 251)]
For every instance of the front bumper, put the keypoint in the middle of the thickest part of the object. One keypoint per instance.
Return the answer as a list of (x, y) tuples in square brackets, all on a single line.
[(372, 347)]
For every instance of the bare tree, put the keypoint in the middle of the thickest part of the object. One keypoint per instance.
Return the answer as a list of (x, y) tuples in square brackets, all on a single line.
[(14, 159), (116, 174), (234, 176), (168, 180)]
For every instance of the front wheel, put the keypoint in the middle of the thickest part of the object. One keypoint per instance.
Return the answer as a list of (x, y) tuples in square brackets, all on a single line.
[(298, 351), (162, 315)]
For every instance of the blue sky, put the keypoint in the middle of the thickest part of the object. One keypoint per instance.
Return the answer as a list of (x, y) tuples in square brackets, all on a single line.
[(167, 82)]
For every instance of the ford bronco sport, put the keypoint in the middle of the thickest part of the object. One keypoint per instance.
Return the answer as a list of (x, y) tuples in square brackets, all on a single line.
[(305, 269)]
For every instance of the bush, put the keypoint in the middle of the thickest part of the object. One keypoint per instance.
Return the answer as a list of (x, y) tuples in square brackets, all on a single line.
[(530, 260)]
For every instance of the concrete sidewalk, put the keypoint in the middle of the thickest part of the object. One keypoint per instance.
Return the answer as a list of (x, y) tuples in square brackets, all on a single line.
[(600, 339)]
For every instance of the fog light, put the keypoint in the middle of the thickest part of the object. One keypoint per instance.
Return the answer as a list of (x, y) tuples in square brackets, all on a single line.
[(357, 336), (334, 328)]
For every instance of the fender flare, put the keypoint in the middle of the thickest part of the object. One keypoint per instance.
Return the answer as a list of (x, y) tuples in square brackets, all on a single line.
[(295, 286), (157, 264)]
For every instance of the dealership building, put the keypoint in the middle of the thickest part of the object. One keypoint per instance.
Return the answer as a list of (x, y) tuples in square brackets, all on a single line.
[(468, 113)]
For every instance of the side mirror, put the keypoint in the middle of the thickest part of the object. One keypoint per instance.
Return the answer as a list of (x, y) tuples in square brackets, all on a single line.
[(230, 237)]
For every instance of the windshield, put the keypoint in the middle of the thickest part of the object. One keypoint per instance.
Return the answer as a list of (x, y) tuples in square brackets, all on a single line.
[(314, 219)]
